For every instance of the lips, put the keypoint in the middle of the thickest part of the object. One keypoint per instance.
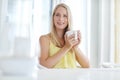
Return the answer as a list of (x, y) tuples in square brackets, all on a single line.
[(60, 23)]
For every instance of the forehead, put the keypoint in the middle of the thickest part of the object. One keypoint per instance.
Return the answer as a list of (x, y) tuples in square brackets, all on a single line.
[(61, 9)]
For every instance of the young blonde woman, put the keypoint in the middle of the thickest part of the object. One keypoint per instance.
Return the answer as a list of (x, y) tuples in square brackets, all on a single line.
[(57, 50)]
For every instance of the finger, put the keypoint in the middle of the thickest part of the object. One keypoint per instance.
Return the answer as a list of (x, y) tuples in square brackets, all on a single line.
[(73, 40), (71, 36), (66, 37), (79, 35)]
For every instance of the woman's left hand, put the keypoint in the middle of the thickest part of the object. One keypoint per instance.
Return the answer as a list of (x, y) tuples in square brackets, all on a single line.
[(78, 38)]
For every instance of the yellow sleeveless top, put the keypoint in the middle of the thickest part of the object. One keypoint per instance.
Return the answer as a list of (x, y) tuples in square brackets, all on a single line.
[(68, 61)]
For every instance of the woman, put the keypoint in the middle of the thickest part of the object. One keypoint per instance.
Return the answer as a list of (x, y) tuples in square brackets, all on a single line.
[(57, 49)]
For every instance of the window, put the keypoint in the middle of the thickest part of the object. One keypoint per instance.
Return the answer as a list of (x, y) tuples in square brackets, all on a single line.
[(17, 27)]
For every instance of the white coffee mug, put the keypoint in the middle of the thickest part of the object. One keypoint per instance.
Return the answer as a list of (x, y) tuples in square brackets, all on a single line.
[(68, 33)]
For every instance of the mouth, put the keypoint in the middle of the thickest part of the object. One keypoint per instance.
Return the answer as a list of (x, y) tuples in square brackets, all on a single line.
[(60, 23)]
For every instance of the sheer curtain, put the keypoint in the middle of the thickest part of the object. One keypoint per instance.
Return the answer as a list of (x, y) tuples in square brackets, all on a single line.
[(102, 32), (16, 28), (41, 21)]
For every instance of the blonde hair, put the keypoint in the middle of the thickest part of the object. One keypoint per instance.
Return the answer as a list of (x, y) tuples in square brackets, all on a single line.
[(53, 31)]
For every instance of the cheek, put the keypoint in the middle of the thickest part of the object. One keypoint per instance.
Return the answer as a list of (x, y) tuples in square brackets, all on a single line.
[(54, 20), (66, 21)]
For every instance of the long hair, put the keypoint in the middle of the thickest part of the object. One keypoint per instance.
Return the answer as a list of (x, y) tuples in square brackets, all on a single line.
[(68, 27)]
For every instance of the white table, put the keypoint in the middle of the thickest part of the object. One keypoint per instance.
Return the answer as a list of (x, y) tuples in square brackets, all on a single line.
[(71, 74), (16, 78), (79, 74)]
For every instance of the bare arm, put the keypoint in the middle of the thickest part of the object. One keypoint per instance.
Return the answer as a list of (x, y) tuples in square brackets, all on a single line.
[(45, 59), (81, 58)]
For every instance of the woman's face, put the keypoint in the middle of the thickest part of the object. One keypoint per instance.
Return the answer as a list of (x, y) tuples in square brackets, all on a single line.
[(60, 18)]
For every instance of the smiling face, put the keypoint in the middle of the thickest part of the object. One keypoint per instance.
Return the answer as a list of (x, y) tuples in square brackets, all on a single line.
[(60, 18)]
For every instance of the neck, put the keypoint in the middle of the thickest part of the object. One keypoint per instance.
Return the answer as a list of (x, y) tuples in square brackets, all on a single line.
[(60, 36)]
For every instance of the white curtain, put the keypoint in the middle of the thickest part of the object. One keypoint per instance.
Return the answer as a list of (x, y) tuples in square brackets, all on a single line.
[(102, 32), (16, 28)]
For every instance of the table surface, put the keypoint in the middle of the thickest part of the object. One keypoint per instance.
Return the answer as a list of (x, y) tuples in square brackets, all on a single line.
[(71, 74), (80, 74)]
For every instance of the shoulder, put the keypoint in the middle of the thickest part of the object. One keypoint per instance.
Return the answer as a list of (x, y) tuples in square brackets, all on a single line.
[(44, 38)]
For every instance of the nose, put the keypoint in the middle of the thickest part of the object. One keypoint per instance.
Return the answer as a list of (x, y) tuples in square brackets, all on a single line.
[(61, 18)]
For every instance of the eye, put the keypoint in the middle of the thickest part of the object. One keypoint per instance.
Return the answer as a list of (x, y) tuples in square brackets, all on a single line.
[(65, 16), (57, 14)]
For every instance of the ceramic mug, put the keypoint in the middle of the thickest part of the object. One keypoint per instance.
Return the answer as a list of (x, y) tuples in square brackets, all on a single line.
[(68, 33)]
